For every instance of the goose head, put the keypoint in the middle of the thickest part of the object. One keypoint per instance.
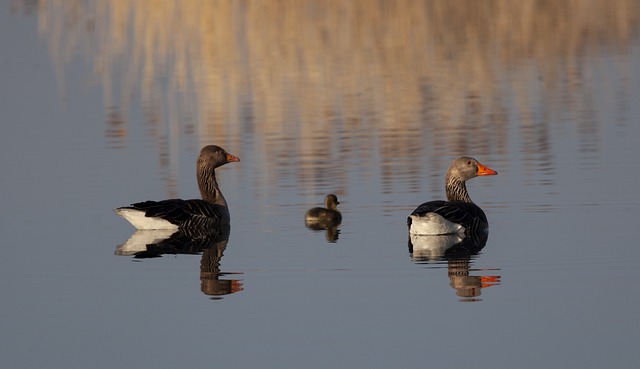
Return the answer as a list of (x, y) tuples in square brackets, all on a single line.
[(213, 156), (461, 170), (465, 168)]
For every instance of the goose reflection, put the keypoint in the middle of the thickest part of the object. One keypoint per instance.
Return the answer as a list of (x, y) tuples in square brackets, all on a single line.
[(458, 250), (327, 218), (144, 244)]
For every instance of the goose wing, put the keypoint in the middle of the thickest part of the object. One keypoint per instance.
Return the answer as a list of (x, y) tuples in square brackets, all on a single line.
[(469, 215), (183, 213)]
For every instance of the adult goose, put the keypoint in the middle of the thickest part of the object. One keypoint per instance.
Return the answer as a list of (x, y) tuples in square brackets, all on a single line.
[(327, 216), (457, 215), (209, 213)]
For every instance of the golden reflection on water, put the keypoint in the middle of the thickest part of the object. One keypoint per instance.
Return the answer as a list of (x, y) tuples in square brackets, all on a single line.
[(387, 82)]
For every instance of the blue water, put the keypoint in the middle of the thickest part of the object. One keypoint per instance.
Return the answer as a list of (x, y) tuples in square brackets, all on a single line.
[(558, 267)]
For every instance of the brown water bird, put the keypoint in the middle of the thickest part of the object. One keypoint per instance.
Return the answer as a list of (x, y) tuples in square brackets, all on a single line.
[(327, 216), (457, 215), (210, 212)]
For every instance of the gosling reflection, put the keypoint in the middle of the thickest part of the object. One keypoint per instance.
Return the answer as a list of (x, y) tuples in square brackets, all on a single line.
[(458, 251), (145, 244), (327, 218)]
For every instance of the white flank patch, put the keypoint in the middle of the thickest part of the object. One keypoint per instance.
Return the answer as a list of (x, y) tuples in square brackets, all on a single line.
[(432, 224), (140, 221)]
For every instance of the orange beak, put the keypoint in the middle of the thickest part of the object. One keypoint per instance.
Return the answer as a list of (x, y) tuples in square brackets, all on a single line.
[(236, 286), (490, 280), (484, 171), (231, 158)]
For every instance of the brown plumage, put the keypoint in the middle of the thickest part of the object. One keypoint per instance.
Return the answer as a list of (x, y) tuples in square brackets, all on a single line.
[(329, 215), (457, 214), (208, 213)]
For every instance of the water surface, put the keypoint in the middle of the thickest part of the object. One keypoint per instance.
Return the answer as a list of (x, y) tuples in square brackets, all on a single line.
[(107, 103)]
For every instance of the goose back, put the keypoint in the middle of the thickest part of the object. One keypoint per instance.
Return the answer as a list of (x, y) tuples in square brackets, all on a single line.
[(185, 213), (466, 214)]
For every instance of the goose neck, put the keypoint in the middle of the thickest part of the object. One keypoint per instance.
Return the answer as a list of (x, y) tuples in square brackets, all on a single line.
[(209, 190), (456, 190)]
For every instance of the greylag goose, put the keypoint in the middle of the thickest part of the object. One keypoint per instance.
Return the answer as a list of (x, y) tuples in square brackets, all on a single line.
[(210, 212), (327, 216), (457, 215)]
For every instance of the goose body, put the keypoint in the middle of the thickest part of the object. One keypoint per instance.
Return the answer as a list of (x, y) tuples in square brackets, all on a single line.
[(457, 215), (209, 212)]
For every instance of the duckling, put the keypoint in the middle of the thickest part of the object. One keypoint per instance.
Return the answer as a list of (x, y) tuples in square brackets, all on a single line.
[(327, 216)]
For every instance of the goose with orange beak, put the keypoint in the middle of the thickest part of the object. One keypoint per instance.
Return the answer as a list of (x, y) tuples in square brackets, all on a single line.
[(206, 215), (457, 215)]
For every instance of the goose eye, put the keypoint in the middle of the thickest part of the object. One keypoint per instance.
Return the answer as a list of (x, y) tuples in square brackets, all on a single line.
[(469, 162)]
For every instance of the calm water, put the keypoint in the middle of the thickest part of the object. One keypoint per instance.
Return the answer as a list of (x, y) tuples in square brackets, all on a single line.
[(105, 104)]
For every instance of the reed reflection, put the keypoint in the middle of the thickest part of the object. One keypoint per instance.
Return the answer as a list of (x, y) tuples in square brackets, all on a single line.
[(458, 251), (381, 82), (145, 244)]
